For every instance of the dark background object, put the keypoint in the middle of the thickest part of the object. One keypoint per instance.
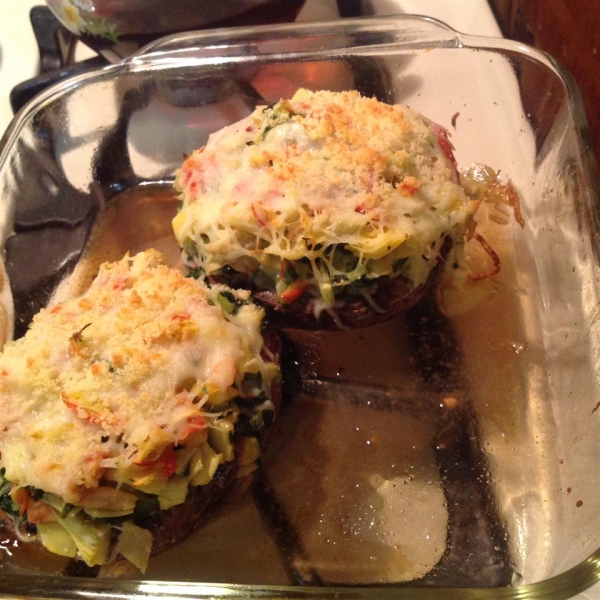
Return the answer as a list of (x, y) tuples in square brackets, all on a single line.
[(57, 45), (569, 30)]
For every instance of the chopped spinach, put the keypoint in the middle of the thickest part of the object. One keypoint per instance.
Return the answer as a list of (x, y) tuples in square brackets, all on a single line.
[(229, 303), (398, 264), (197, 273), (190, 249), (6, 502), (276, 115), (7, 505)]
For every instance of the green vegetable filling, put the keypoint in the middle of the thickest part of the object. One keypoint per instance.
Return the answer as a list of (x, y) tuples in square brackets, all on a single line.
[(90, 534), (229, 302)]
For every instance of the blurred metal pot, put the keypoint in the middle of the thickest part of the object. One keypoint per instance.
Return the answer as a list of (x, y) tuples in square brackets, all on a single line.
[(115, 20)]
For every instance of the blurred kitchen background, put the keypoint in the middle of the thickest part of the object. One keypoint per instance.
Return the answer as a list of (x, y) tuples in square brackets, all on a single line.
[(569, 30)]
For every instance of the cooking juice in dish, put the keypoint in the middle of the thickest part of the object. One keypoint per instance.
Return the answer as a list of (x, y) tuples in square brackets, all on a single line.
[(376, 458)]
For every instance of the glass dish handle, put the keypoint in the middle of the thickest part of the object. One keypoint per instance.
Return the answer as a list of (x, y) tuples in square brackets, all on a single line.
[(296, 40)]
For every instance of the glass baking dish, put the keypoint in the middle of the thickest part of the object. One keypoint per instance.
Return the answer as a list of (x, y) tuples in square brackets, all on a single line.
[(430, 457)]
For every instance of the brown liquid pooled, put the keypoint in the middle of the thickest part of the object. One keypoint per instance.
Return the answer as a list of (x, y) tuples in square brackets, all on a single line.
[(133, 221), (376, 462)]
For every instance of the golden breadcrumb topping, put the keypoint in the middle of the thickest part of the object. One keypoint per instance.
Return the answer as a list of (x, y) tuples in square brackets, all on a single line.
[(323, 171), (105, 385)]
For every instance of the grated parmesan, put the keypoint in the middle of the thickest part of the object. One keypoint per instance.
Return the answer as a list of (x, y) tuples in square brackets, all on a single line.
[(295, 181), (100, 381)]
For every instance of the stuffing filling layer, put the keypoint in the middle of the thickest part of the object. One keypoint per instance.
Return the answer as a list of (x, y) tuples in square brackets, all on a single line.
[(322, 194), (115, 404)]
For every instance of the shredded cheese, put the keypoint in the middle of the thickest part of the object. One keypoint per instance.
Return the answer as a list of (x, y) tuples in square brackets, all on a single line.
[(113, 379), (323, 171)]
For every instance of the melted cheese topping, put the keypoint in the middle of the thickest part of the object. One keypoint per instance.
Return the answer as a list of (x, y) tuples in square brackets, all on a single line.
[(111, 380), (321, 171)]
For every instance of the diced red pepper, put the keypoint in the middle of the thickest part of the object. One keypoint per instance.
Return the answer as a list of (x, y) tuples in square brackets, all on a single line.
[(90, 415), (20, 496), (293, 291), (444, 141), (194, 424), (167, 461), (408, 188), (39, 511)]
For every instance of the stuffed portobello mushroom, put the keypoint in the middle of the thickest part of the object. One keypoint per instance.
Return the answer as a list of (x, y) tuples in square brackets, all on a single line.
[(128, 413), (333, 208)]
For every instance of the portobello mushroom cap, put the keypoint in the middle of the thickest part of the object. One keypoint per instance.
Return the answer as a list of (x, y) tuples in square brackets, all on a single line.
[(335, 210)]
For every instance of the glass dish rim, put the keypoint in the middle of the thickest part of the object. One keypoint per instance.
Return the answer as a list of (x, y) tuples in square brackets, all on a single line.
[(447, 37), (559, 587), (163, 53)]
